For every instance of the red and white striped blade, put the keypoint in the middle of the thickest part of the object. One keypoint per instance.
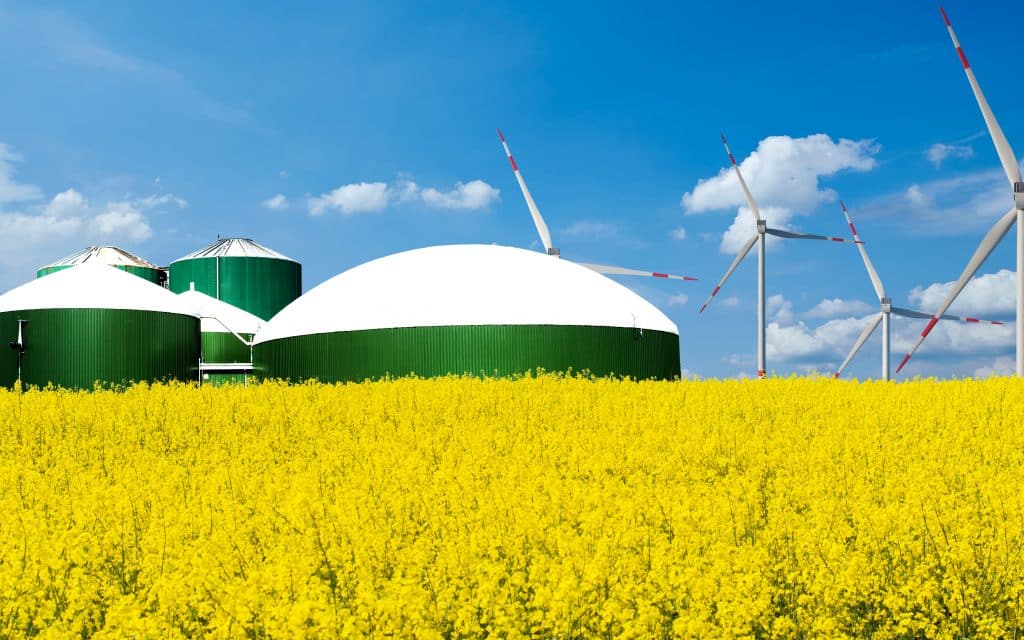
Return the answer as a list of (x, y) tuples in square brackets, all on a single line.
[(988, 244), (622, 271), (735, 263), (1006, 156), (743, 183), (868, 330), (538, 220), (783, 233), (876, 281), (920, 315)]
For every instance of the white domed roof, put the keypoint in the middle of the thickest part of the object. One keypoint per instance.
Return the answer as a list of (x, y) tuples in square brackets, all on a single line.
[(235, 248), (107, 255), (217, 316), (464, 285), (92, 285)]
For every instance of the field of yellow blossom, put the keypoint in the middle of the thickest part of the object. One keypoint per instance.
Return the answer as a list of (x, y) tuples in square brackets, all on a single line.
[(541, 507)]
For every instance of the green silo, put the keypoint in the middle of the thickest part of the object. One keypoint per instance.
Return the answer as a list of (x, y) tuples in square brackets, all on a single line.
[(113, 256), (476, 309), (227, 333), (96, 323), (242, 273)]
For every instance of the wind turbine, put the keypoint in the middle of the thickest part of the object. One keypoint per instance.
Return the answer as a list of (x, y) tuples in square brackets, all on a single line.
[(886, 309), (1000, 228), (758, 237), (545, 236)]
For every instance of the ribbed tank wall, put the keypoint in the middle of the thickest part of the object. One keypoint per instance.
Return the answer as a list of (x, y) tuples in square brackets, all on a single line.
[(225, 347), (74, 348), (493, 350), (152, 275), (261, 286)]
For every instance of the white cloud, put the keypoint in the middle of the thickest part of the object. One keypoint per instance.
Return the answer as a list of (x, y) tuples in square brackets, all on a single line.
[(677, 300), (939, 152), (10, 190), (679, 233), (590, 230), (990, 294), (830, 308), (779, 309), (121, 220), (1001, 366), (360, 197), (731, 301), (276, 203), (475, 194), (66, 204), (784, 176), (154, 201), (365, 197), (918, 198)]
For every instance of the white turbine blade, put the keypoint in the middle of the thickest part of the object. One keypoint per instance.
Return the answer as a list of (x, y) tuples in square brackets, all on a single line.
[(868, 330), (876, 282), (538, 220), (622, 271), (998, 139), (735, 263), (743, 183), (783, 233), (988, 244), (920, 315)]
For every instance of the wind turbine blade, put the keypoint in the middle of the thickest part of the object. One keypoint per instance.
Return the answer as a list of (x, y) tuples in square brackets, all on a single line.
[(868, 330), (876, 281), (622, 271), (735, 263), (998, 139), (988, 244), (910, 313), (743, 183), (538, 220), (783, 233)]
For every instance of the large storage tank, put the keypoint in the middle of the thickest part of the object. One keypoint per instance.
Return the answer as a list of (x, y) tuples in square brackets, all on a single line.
[(242, 273), (477, 309), (96, 323), (227, 333), (113, 256)]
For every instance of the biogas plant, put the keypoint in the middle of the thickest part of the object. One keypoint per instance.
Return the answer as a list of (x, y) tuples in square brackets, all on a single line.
[(235, 309)]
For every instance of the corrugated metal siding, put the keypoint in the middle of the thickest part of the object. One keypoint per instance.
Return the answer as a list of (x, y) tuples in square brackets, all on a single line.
[(261, 286), (478, 350), (152, 275), (225, 347), (75, 347), (221, 379)]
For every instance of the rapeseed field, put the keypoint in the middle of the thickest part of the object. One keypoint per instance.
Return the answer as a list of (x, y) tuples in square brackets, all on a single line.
[(541, 507)]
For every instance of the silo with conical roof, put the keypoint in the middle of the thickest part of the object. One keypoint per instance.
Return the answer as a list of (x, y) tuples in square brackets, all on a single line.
[(113, 256), (242, 273), (94, 323)]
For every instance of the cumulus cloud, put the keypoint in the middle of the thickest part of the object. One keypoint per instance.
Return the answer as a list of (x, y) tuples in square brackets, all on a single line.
[(990, 294), (784, 175), (779, 309), (475, 194), (366, 197), (731, 301), (276, 203), (1001, 366), (590, 230), (677, 300), (830, 308), (157, 201), (10, 189), (121, 220), (679, 233), (66, 204), (939, 152)]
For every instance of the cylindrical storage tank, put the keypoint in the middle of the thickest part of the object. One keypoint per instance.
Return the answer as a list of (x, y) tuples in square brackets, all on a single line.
[(95, 323), (476, 309), (113, 256), (242, 273), (226, 329)]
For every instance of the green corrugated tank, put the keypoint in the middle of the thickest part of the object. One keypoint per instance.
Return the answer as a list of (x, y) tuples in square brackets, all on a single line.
[(476, 309), (113, 256), (93, 323), (242, 273), (227, 332)]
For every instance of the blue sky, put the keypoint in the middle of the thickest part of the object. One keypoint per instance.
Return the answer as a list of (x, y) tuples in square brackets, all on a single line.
[(157, 126)]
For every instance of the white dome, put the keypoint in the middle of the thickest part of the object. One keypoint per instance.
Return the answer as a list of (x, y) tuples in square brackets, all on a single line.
[(217, 316), (464, 285), (92, 285)]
